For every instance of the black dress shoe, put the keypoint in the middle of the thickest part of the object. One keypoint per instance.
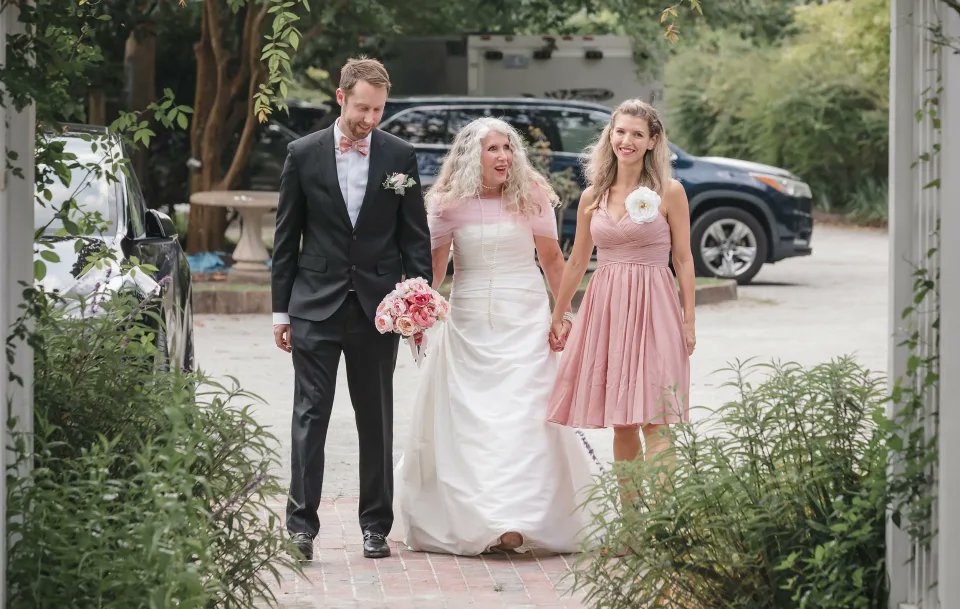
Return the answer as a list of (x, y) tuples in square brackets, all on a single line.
[(304, 546), (375, 545)]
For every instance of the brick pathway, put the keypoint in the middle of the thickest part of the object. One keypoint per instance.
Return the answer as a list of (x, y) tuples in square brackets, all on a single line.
[(341, 578)]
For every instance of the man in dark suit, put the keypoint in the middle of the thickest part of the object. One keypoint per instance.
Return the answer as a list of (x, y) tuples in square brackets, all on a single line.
[(360, 236)]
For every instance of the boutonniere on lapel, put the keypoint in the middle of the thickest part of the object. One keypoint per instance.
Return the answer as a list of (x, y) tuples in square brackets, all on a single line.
[(398, 183)]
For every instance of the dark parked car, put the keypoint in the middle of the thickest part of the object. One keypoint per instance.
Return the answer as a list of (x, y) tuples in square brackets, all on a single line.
[(130, 230), (742, 214)]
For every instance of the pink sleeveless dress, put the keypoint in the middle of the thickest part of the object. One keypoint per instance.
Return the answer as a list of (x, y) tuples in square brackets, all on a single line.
[(625, 362)]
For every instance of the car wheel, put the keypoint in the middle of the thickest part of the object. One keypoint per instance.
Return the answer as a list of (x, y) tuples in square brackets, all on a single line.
[(162, 358), (187, 364), (728, 243)]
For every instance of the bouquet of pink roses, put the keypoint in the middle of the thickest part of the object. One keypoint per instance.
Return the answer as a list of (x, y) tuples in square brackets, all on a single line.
[(409, 310)]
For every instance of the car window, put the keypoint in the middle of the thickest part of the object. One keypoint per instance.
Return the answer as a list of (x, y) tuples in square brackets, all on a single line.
[(419, 126), (461, 117), (89, 185), (265, 163), (526, 120), (531, 120), (136, 206), (579, 129)]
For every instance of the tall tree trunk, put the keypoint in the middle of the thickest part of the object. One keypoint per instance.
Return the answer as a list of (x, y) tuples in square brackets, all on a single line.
[(206, 224), (218, 92), (97, 100), (140, 61)]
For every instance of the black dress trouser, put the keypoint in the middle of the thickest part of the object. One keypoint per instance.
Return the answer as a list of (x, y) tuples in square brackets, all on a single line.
[(370, 359)]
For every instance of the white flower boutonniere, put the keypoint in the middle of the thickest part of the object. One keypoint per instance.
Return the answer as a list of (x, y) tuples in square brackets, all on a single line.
[(398, 183), (643, 205)]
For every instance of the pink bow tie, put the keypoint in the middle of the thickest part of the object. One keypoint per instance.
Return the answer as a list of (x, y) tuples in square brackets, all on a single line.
[(348, 144)]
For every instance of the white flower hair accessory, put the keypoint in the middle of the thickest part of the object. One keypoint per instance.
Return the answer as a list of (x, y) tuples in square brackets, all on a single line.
[(643, 205)]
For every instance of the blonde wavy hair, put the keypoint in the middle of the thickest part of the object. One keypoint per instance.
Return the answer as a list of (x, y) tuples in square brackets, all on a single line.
[(601, 163), (459, 176)]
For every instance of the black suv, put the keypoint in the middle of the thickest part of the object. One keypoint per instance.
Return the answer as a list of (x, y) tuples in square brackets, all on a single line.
[(742, 214)]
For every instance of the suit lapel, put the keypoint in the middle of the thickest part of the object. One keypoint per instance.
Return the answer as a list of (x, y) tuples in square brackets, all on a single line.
[(375, 173), (328, 173)]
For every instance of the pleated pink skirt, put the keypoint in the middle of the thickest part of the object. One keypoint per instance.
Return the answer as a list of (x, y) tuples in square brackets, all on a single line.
[(625, 362)]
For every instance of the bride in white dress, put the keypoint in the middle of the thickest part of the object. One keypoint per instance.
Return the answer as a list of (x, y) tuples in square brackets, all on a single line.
[(482, 469)]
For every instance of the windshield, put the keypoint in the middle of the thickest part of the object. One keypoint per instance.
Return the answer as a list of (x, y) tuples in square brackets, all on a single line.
[(88, 184)]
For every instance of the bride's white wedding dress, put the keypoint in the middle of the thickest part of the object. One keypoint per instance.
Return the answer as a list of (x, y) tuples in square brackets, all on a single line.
[(481, 460)]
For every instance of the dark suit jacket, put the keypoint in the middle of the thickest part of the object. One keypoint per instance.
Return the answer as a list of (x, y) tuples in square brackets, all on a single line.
[(390, 240)]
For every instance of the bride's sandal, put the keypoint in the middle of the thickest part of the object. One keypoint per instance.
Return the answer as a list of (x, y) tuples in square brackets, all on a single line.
[(508, 542)]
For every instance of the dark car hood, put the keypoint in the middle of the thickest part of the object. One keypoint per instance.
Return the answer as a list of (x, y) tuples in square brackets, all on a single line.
[(748, 166), (67, 278)]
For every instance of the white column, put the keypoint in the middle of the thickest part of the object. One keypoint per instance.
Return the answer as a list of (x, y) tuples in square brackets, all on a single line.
[(949, 500), (16, 240), (3, 315), (914, 211), (901, 192), (16, 260)]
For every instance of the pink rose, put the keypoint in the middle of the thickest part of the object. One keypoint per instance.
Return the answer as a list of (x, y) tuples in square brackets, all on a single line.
[(422, 317), (398, 307), (384, 323), (405, 326), (420, 286), (422, 299), (443, 309)]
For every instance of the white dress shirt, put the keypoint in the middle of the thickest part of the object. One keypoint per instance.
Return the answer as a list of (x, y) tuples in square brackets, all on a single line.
[(352, 170)]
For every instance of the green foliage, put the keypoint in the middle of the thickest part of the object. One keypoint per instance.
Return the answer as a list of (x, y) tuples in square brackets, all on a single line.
[(281, 43), (869, 203), (763, 21), (52, 61), (820, 114), (147, 488), (775, 501), (335, 31)]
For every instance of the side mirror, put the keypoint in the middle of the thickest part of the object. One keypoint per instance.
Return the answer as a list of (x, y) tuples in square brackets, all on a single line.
[(159, 225)]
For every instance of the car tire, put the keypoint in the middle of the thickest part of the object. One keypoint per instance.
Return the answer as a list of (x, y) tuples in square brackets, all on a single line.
[(162, 357), (728, 243), (188, 363)]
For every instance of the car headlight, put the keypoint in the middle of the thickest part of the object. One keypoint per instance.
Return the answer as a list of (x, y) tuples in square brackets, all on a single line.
[(788, 186)]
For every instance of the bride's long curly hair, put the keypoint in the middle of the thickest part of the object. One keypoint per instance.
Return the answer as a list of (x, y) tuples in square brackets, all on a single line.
[(601, 164), (459, 176)]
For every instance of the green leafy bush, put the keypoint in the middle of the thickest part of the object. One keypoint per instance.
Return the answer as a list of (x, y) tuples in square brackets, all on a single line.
[(776, 501), (148, 488), (814, 102)]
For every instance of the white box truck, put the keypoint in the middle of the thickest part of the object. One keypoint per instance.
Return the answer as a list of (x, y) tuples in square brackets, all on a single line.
[(589, 68)]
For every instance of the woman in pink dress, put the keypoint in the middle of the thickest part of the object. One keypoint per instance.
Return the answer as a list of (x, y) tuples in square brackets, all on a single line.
[(626, 360)]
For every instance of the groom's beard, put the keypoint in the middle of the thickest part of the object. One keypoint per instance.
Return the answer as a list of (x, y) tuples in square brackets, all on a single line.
[(357, 130)]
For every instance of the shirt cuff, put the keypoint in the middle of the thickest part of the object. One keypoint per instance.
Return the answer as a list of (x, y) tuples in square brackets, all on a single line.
[(281, 318)]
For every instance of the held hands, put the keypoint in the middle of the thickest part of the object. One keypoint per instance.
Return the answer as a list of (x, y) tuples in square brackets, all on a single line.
[(281, 336), (559, 331)]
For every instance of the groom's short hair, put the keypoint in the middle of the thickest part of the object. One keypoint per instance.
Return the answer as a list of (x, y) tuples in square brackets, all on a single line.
[(363, 68)]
